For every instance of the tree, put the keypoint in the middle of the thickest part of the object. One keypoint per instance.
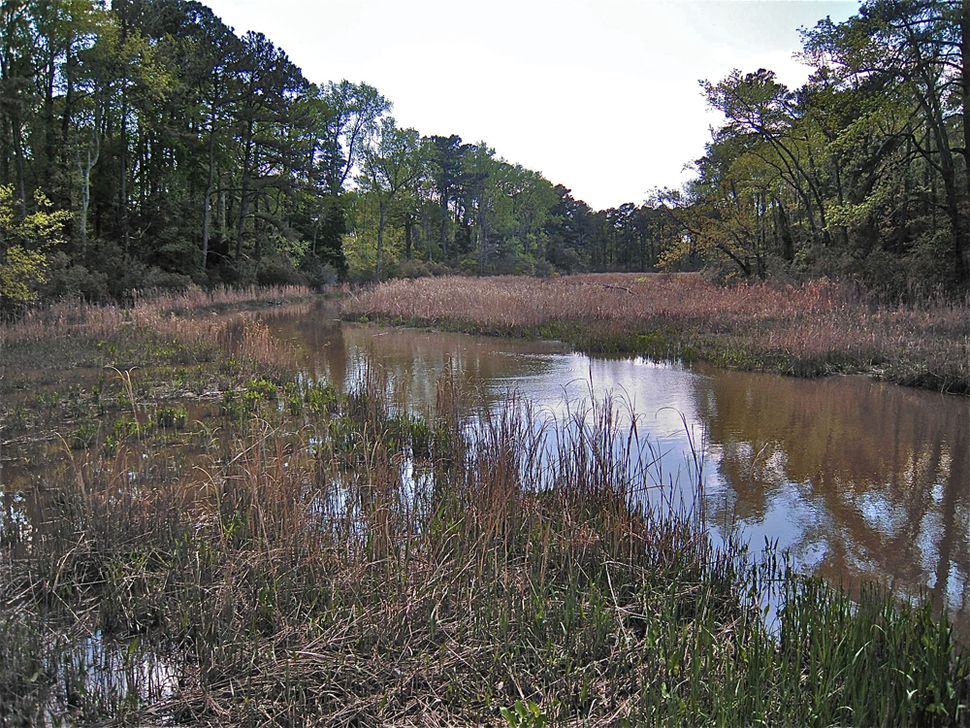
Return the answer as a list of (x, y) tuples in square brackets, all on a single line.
[(26, 242), (394, 161), (356, 112), (915, 52)]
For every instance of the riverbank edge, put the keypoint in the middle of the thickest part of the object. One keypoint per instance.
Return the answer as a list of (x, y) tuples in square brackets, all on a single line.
[(689, 347), (597, 596)]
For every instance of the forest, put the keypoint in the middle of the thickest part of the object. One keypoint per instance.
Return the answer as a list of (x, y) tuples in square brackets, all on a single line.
[(146, 144)]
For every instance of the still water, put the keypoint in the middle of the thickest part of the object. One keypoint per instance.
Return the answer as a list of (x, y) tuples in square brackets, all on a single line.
[(855, 478)]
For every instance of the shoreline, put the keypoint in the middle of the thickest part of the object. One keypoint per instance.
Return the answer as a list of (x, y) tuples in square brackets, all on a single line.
[(688, 340), (316, 559)]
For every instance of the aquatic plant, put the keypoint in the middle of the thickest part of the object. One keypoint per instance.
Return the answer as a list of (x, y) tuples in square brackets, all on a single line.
[(521, 577), (805, 329)]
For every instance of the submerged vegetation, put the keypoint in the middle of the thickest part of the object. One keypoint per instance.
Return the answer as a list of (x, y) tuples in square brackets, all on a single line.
[(811, 329), (274, 551)]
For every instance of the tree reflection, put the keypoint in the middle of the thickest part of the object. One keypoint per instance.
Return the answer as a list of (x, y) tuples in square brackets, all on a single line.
[(882, 472)]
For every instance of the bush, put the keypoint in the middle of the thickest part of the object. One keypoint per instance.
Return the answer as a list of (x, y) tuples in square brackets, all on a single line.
[(278, 270), (317, 273), (544, 269), (129, 274), (413, 269), (70, 280), (162, 280)]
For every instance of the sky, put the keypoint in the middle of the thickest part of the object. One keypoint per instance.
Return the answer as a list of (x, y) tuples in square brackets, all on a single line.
[(601, 96)]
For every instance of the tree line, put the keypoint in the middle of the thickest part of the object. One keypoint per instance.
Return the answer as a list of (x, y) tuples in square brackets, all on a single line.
[(861, 172), (147, 144)]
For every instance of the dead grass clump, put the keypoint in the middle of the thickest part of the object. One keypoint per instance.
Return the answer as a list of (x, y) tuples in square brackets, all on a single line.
[(316, 569), (813, 328)]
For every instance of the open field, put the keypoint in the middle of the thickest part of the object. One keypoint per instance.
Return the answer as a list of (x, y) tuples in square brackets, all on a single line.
[(812, 329), (290, 554)]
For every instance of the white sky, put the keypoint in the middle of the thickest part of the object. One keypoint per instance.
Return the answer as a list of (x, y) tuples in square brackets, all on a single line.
[(598, 95)]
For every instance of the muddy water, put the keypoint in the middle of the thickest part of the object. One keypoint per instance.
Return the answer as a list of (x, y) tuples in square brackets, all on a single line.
[(857, 479)]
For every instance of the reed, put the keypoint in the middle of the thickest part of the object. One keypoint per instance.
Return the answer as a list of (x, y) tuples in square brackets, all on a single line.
[(806, 329), (146, 310), (331, 561)]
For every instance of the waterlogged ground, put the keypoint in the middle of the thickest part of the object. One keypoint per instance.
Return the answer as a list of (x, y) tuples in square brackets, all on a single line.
[(855, 478)]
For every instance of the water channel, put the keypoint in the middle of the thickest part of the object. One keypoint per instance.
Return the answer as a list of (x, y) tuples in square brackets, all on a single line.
[(856, 479)]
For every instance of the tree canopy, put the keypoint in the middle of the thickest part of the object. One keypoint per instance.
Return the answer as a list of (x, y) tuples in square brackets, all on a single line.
[(163, 149)]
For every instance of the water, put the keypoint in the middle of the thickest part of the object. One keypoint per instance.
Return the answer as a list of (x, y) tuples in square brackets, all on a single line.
[(856, 479)]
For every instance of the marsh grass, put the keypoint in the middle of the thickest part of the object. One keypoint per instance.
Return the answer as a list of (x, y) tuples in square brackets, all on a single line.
[(326, 558), (415, 572), (145, 309), (808, 329), (130, 358)]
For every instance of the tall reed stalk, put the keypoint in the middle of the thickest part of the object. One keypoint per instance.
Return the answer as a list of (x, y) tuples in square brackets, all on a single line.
[(338, 561)]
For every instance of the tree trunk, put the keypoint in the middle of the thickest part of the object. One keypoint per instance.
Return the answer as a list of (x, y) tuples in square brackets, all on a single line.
[(19, 164), (408, 234), (244, 192), (784, 234), (257, 230), (123, 152), (206, 214), (965, 87), (207, 194), (443, 230), (223, 214), (936, 120), (50, 128), (92, 153), (69, 67), (381, 221), (482, 236)]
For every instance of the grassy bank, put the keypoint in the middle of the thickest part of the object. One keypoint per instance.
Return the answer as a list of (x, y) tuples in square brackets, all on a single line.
[(60, 363), (298, 555), (811, 329)]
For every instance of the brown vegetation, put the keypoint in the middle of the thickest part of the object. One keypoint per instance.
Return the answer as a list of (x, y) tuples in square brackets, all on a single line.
[(808, 329), (320, 557), (150, 312)]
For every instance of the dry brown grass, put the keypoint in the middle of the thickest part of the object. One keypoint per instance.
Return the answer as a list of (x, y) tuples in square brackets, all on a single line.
[(808, 329), (278, 584), (157, 312)]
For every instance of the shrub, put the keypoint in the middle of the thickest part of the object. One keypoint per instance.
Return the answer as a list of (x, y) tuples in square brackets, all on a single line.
[(278, 270)]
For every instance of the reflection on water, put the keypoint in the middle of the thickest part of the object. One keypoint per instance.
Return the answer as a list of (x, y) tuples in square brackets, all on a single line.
[(415, 359), (854, 477), (115, 673)]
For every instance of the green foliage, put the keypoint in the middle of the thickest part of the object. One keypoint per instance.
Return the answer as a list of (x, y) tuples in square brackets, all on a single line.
[(524, 714), (239, 404), (26, 244), (126, 428), (415, 433), (84, 435), (260, 389), (171, 418), (184, 154), (839, 177), (320, 397)]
